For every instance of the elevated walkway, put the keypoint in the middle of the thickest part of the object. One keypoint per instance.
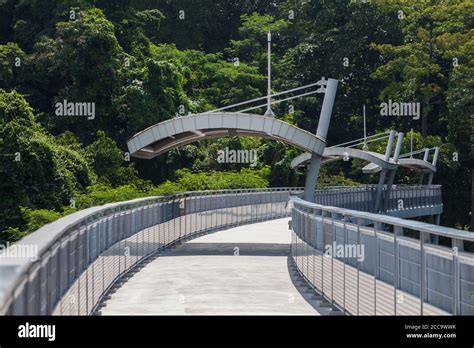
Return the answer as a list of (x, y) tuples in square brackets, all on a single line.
[(340, 153), (84, 255), (180, 131), (239, 271), (411, 163)]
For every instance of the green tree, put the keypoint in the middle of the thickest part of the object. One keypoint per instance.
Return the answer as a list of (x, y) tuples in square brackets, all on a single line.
[(35, 171), (80, 63), (11, 58), (415, 69), (109, 162)]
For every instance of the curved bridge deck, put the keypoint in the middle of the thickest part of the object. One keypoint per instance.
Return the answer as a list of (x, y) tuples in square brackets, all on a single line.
[(86, 256), (204, 276)]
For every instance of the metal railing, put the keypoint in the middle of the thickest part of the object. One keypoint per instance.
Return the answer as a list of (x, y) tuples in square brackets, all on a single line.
[(403, 201), (81, 255), (372, 264)]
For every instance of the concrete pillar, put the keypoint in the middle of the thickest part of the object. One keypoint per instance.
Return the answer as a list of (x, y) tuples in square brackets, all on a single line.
[(323, 126)]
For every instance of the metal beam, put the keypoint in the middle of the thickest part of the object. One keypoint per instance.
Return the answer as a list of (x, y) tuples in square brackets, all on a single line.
[(383, 173), (425, 158), (321, 133), (435, 160), (391, 176)]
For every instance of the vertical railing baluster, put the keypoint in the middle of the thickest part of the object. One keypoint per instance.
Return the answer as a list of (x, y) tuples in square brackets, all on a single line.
[(345, 218), (422, 271), (359, 222), (456, 277), (332, 258), (376, 262)]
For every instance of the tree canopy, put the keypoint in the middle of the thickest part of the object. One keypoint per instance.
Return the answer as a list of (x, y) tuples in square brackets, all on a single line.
[(143, 62)]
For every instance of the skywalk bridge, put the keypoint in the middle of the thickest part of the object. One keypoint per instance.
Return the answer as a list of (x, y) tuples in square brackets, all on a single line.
[(81, 256), (408, 267)]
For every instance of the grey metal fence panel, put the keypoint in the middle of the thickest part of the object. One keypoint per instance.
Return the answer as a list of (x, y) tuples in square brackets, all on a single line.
[(44, 306), (384, 274), (73, 273), (466, 285), (19, 297)]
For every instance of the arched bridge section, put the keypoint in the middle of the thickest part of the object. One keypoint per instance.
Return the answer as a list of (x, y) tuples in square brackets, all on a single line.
[(411, 163), (180, 131), (337, 153)]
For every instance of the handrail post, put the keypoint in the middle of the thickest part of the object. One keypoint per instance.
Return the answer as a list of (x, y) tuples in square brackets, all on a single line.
[(377, 225), (333, 230), (359, 222), (456, 277), (345, 219), (397, 231)]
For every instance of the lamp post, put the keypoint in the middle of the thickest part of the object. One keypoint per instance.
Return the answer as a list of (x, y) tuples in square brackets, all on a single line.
[(269, 111)]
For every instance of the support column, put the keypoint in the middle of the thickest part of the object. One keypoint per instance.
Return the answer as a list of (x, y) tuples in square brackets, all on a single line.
[(312, 177), (391, 176), (435, 160), (425, 158), (383, 173), (378, 193), (323, 126)]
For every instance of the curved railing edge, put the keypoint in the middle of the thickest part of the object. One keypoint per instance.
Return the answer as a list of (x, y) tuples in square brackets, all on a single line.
[(50, 234)]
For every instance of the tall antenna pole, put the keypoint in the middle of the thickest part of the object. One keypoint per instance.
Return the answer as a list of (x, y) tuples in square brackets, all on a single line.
[(365, 147), (269, 111)]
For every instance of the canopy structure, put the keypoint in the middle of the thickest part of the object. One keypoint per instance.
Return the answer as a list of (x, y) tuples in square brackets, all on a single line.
[(180, 131), (384, 163), (420, 165), (340, 153), (411, 163)]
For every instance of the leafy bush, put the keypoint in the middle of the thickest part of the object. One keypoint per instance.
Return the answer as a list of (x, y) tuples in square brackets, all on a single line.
[(36, 170), (108, 161), (100, 194)]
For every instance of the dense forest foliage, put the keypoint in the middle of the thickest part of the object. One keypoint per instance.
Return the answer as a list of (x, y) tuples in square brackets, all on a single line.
[(145, 61)]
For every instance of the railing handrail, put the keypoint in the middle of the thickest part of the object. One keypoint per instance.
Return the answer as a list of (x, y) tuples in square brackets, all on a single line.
[(404, 186), (387, 219), (14, 270), (50, 234)]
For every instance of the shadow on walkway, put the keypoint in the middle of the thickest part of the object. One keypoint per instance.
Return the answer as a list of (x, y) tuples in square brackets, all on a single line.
[(231, 249)]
